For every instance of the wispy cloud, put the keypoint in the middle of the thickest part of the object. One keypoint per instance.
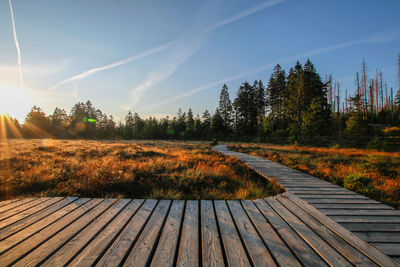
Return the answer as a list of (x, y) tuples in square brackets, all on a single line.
[(377, 38), (243, 14), (185, 48), (21, 80), (158, 76), (113, 65)]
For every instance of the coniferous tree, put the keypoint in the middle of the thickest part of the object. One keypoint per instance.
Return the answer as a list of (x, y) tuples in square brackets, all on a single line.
[(245, 106), (128, 129), (225, 109), (217, 124)]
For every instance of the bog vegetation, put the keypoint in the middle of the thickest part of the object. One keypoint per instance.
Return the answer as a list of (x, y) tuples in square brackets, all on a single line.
[(173, 170), (294, 107), (371, 173)]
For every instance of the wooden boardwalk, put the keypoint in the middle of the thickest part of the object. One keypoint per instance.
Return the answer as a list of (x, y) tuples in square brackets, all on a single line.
[(371, 220), (280, 231)]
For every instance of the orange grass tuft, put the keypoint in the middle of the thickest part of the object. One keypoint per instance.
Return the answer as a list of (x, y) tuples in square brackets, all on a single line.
[(379, 171), (145, 169)]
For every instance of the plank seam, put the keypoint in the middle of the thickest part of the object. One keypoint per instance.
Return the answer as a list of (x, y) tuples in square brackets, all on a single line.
[(20, 229), (276, 231), (179, 235), (128, 251), (76, 233), (156, 241), (37, 245), (19, 242), (224, 256), (240, 235), (98, 232)]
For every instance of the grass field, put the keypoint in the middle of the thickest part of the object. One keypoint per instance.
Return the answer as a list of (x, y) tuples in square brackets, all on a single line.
[(173, 170), (371, 173)]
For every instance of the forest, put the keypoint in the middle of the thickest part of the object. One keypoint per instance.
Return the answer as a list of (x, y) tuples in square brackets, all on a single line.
[(293, 107)]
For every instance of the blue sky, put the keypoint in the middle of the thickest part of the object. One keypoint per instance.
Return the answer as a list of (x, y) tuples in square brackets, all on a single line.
[(154, 56)]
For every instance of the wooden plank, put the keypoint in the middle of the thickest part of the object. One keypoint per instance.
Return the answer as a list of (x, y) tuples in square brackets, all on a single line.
[(22, 224), (391, 249), (168, 243), (188, 252), (63, 255), (46, 249), (127, 238), (340, 201), (281, 253), (364, 212), (98, 246), (318, 192), (235, 253), (24, 207), (351, 238), (352, 254), (327, 196), (29, 212), (298, 246), (140, 255), (319, 189), (38, 226), (365, 219), (317, 243), (351, 206), (211, 245), (39, 237), (7, 202), (259, 254), (15, 204), (372, 227), (388, 237)]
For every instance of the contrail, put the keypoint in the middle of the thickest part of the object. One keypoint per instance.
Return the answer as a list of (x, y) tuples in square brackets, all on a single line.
[(194, 41), (369, 40), (21, 80), (113, 65), (213, 27), (243, 14)]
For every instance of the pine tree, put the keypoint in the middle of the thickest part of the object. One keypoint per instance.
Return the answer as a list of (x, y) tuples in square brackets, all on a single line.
[(189, 124), (261, 102), (217, 124), (225, 109), (245, 106), (128, 129), (277, 95)]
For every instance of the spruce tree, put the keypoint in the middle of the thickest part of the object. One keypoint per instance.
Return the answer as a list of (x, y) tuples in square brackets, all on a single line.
[(225, 109)]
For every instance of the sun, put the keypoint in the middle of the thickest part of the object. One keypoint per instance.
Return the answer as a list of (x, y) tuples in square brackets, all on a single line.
[(14, 101)]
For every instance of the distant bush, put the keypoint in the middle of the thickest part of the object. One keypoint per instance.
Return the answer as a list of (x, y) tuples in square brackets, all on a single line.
[(214, 142)]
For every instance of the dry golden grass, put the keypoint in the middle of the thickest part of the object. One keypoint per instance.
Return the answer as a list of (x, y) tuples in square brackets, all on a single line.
[(371, 173), (173, 170)]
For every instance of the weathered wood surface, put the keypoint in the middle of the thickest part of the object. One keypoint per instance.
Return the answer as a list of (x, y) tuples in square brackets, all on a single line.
[(279, 231), (371, 220)]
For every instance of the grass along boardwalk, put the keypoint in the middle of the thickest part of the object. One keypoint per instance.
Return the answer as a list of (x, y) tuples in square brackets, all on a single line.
[(371, 220), (276, 231)]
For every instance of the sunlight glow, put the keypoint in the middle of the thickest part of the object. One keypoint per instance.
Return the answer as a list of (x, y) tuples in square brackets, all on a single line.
[(14, 101)]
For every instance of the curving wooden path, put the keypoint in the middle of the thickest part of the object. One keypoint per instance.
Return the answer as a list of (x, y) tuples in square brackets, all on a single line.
[(371, 220), (277, 231)]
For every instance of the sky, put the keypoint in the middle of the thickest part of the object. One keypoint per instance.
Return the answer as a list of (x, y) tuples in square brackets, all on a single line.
[(154, 57)]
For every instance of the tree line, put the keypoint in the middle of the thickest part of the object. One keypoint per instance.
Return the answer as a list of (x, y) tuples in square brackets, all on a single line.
[(294, 106)]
